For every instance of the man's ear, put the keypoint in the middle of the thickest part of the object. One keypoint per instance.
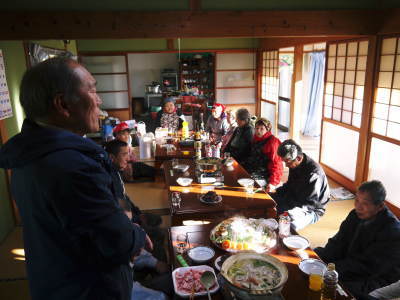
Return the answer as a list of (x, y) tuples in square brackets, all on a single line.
[(112, 157), (60, 106)]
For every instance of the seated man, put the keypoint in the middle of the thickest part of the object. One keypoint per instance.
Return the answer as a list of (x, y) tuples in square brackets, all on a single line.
[(134, 171), (366, 250), (306, 192), (118, 152)]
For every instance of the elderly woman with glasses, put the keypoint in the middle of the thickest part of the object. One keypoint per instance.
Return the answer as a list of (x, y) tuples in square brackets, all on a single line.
[(263, 161), (217, 124), (239, 142)]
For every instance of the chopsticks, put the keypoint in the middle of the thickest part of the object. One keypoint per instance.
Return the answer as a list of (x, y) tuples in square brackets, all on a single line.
[(192, 292)]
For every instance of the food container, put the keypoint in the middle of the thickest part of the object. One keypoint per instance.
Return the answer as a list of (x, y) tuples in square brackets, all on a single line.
[(185, 273), (253, 291)]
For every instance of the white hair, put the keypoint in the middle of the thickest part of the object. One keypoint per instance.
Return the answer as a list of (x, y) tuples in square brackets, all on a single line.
[(291, 151)]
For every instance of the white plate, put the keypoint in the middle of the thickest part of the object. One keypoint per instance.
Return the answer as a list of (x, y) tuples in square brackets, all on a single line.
[(201, 254), (312, 266), (219, 199), (181, 168), (296, 242), (184, 181), (183, 270)]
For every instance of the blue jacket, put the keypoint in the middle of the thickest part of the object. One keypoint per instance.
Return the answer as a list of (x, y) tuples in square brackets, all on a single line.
[(78, 242)]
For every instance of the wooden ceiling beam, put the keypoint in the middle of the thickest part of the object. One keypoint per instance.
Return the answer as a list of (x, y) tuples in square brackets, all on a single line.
[(188, 24)]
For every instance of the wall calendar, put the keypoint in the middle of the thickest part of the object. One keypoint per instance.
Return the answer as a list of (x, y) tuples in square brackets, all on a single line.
[(5, 102)]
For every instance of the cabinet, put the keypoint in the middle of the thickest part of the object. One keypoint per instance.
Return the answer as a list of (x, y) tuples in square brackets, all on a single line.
[(196, 73)]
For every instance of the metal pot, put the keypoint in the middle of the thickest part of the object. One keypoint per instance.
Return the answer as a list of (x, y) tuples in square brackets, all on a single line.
[(246, 294)]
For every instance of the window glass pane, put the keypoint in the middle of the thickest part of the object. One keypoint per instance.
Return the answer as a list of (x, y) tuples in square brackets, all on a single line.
[(341, 49), (235, 78), (383, 95), (358, 104), (114, 100), (387, 62), (340, 63), (337, 101), (360, 77), (352, 49), (350, 77), (264, 55), (351, 63), (104, 64), (331, 62), (336, 114), (228, 61), (393, 130), (384, 169), (111, 82), (356, 120), (239, 95), (359, 94), (329, 88), (339, 76), (348, 90), (394, 114), (379, 126), (396, 80), (381, 111), (338, 89), (328, 112), (330, 76), (397, 63), (385, 79), (363, 48), (346, 117), (332, 50), (362, 63), (342, 159), (347, 104), (395, 99), (388, 46), (328, 99)]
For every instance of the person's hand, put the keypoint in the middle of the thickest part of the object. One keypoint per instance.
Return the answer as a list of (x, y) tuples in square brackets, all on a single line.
[(270, 188), (148, 244)]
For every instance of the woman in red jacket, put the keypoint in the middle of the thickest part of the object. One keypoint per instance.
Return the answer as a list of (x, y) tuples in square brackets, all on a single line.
[(263, 161)]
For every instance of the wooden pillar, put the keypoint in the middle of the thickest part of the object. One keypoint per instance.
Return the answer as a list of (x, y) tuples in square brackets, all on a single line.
[(297, 91)]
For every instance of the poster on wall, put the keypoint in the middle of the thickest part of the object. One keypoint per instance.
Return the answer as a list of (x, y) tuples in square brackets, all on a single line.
[(5, 102)]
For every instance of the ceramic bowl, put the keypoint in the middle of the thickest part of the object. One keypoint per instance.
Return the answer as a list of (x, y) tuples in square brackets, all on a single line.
[(201, 254), (184, 181), (312, 266), (245, 181), (296, 242)]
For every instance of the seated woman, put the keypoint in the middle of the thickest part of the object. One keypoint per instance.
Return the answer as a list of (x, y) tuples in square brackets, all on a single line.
[(135, 171), (264, 163), (239, 144), (169, 117), (217, 124)]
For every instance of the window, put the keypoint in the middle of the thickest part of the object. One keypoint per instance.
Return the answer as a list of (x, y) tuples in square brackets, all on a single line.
[(270, 73), (386, 113), (345, 80)]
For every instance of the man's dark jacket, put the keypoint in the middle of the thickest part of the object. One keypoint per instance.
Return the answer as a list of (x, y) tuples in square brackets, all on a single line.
[(307, 185), (78, 242), (366, 254), (240, 144)]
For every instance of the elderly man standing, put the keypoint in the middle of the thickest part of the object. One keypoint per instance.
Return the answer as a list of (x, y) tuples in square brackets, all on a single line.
[(366, 250), (78, 241), (306, 191)]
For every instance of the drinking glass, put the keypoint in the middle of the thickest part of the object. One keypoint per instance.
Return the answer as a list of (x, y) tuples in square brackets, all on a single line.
[(315, 282), (250, 188), (181, 243), (174, 162), (176, 199)]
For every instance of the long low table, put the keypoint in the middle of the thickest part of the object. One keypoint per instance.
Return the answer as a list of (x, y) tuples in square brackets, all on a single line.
[(296, 288), (235, 200)]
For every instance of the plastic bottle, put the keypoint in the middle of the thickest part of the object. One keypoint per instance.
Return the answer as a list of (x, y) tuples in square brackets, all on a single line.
[(331, 278), (185, 130), (284, 225)]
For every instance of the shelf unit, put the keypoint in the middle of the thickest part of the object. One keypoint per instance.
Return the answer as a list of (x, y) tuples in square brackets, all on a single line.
[(197, 71)]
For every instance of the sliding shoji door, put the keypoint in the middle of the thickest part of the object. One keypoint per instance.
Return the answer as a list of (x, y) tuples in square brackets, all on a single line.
[(111, 74), (384, 138), (346, 68), (270, 87)]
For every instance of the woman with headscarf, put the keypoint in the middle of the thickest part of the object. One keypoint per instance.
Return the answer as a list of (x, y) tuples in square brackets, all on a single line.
[(169, 117), (264, 163), (239, 143), (217, 124)]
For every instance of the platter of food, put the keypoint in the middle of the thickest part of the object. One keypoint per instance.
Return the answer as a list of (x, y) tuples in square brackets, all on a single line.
[(210, 197), (187, 280), (242, 235)]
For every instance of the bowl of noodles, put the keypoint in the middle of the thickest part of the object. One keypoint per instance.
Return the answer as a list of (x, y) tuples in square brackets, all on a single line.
[(253, 275)]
